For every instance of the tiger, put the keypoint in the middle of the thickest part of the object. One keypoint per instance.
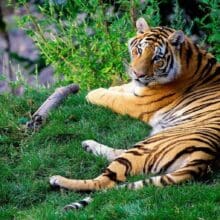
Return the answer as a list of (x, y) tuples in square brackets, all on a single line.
[(175, 88)]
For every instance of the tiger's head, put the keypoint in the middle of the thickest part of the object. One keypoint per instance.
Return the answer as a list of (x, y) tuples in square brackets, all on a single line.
[(155, 56)]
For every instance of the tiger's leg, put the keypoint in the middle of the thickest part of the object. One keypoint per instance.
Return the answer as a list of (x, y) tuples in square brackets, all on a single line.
[(137, 104), (124, 103), (120, 102), (102, 150), (191, 171), (181, 161), (131, 162), (129, 88)]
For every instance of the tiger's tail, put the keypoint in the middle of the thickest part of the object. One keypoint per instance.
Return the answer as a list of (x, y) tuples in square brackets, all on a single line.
[(79, 204), (193, 170)]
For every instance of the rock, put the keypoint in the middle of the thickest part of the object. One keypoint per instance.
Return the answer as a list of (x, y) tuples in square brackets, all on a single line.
[(89, 31), (81, 17), (23, 45), (3, 44), (4, 87), (46, 76)]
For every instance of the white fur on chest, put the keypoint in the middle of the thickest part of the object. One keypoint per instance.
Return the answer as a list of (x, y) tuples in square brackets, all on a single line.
[(155, 123), (161, 120)]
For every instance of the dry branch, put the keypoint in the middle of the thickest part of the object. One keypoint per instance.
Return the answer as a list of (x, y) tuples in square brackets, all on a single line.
[(39, 117), (133, 13)]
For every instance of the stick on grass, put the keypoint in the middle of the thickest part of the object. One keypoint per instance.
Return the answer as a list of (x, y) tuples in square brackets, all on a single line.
[(39, 117)]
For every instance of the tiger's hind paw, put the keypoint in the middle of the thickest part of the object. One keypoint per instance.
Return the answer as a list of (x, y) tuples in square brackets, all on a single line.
[(90, 146), (55, 181)]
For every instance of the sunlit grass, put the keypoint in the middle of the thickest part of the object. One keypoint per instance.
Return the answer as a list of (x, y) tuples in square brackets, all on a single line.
[(27, 160)]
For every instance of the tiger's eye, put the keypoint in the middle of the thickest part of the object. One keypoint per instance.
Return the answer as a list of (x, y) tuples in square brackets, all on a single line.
[(160, 63), (134, 52)]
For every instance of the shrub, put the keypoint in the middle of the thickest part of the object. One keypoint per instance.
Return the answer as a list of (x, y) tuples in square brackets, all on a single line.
[(86, 41)]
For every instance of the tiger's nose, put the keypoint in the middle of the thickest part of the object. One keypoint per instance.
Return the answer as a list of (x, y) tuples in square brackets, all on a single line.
[(139, 74)]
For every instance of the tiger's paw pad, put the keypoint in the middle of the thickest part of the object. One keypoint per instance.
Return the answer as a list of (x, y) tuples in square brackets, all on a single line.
[(54, 181), (89, 146)]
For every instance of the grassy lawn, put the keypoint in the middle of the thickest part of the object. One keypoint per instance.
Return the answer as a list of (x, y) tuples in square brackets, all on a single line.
[(27, 160)]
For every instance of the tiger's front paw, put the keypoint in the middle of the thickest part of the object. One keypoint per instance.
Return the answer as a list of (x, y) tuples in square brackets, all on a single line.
[(56, 181), (95, 96)]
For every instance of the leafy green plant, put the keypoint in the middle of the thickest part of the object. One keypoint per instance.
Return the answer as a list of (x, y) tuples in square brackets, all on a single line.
[(86, 41), (88, 51), (27, 161), (211, 24), (87, 47)]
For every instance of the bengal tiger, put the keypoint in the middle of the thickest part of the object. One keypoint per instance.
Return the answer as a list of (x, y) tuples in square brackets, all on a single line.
[(175, 87)]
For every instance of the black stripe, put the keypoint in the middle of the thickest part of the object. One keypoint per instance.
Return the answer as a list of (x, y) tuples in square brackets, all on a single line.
[(126, 163), (134, 41), (201, 106), (145, 182), (170, 179), (150, 39), (188, 53), (214, 139), (187, 151), (158, 100), (163, 181), (138, 145), (111, 175), (206, 71), (141, 116), (212, 77), (83, 203), (199, 61), (169, 63), (150, 181), (217, 71), (171, 60), (160, 42), (136, 153), (199, 162), (164, 34), (211, 62), (76, 206), (166, 49), (195, 174), (181, 50), (168, 29)]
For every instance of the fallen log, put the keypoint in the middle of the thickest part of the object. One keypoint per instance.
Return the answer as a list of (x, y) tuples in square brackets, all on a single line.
[(39, 117)]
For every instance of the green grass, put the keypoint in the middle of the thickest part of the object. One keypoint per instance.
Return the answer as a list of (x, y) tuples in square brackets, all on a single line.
[(27, 160)]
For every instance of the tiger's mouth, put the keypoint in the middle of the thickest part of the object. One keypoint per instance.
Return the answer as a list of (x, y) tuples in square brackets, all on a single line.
[(142, 79), (145, 80)]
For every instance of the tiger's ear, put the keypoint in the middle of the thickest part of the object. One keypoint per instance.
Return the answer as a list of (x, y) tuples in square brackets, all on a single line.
[(176, 38), (142, 26)]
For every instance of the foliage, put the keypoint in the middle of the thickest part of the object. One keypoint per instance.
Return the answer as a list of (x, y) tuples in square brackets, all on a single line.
[(87, 50), (87, 40), (27, 160), (211, 24)]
